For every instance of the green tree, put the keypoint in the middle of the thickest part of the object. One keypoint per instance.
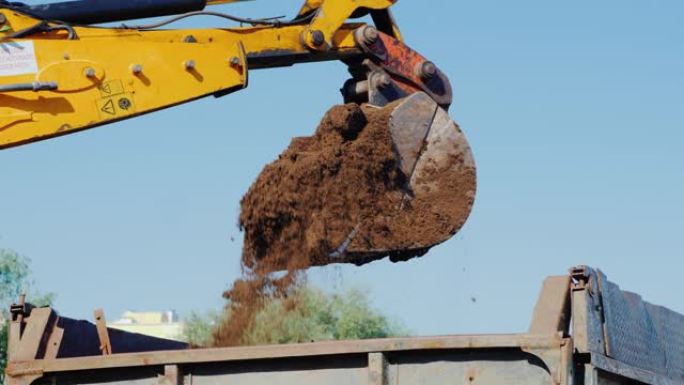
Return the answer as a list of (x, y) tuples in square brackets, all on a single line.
[(15, 279), (198, 328), (307, 315), (14, 273)]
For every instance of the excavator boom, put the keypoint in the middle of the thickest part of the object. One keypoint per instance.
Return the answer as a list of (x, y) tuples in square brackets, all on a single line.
[(60, 77)]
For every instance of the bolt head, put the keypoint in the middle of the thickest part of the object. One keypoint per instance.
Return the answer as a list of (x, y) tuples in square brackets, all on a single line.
[(90, 72), (136, 69), (189, 39), (234, 61), (382, 80), (190, 65), (317, 38), (124, 103), (427, 70), (370, 35)]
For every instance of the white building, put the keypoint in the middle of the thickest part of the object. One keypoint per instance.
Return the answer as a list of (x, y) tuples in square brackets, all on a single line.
[(165, 324)]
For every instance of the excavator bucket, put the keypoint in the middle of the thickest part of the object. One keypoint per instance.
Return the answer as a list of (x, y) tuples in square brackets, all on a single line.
[(434, 155), (372, 182), (389, 174)]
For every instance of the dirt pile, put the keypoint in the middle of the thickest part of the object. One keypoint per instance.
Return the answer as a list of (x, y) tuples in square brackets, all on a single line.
[(304, 205), (340, 196)]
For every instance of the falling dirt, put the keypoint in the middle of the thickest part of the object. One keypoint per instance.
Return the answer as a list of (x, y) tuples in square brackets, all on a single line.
[(339, 190), (248, 296)]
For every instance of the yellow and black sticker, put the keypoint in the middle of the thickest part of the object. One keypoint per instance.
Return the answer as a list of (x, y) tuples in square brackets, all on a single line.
[(116, 106)]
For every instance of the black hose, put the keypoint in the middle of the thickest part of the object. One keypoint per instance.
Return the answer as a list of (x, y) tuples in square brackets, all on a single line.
[(41, 27), (104, 11), (272, 21), (61, 14)]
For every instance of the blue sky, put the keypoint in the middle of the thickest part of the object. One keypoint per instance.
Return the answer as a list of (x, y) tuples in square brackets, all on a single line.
[(574, 111)]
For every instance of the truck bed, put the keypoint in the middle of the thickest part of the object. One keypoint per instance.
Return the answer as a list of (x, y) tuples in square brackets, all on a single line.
[(585, 330)]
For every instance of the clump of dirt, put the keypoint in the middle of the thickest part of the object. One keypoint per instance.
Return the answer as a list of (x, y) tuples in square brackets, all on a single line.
[(343, 187), (305, 204), (340, 196)]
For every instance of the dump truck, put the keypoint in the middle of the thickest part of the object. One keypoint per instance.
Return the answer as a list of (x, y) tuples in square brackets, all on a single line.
[(585, 330)]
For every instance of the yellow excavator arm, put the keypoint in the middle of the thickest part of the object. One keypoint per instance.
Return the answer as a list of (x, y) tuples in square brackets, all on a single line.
[(59, 77), (61, 73)]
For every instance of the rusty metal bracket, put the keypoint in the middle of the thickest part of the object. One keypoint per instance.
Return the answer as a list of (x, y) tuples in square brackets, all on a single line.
[(587, 311), (102, 332), (33, 340), (408, 68), (54, 342), (18, 312), (34, 332)]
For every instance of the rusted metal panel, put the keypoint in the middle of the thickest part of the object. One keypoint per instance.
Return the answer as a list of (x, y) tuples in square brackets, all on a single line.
[(33, 338), (487, 366), (330, 348), (16, 325), (552, 311), (476, 367), (336, 370)]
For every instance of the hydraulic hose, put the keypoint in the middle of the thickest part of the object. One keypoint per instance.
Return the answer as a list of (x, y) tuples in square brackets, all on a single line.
[(104, 11)]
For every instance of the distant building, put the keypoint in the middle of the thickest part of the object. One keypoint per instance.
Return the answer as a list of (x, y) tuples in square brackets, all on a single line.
[(165, 324)]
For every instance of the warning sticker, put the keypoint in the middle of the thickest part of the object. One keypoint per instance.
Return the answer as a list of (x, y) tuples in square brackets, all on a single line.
[(116, 106), (111, 88), (108, 107), (17, 58)]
